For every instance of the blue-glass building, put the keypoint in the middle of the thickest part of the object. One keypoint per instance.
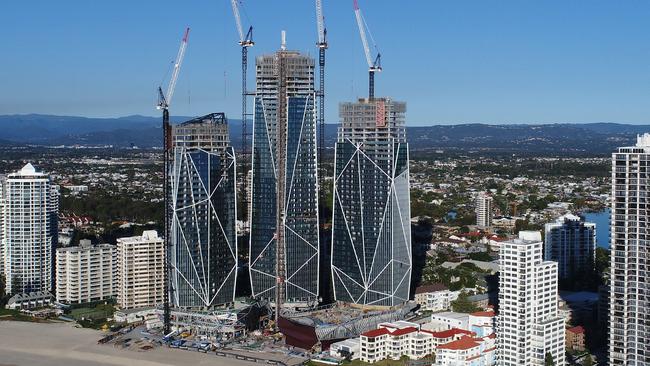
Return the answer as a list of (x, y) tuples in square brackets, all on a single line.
[(371, 230), (284, 242), (203, 251)]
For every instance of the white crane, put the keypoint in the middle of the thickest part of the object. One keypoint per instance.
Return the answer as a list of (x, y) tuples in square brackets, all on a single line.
[(373, 66), (164, 100), (163, 103), (322, 46)]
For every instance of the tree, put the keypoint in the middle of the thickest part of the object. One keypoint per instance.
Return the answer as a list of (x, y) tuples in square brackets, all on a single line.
[(463, 305), (548, 360), (588, 360)]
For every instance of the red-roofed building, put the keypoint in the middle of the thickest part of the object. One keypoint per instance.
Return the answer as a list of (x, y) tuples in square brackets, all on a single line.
[(575, 338), (467, 351), (394, 340)]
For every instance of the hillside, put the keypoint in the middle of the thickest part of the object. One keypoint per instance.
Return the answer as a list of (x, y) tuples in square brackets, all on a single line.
[(145, 132)]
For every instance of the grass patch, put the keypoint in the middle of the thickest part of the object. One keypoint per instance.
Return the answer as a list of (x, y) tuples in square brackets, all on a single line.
[(99, 312)]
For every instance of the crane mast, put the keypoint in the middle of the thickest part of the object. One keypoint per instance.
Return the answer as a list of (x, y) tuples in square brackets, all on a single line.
[(373, 66), (164, 101), (245, 41), (322, 46)]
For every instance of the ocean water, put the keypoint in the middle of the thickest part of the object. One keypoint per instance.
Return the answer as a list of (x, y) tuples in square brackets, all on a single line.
[(601, 219)]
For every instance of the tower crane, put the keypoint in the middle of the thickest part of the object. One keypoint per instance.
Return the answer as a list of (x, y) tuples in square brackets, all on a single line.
[(322, 46), (245, 41), (164, 101), (373, 66)]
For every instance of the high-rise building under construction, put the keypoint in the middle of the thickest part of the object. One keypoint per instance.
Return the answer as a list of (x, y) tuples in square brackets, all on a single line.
[(284, 242), (371, 231), (203, 252)]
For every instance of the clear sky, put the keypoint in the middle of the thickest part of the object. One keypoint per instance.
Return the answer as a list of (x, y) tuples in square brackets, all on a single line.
[(452, 61)]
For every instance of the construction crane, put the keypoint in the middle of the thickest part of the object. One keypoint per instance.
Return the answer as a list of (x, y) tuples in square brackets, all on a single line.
[(322, 46), (373, 66), (164, 101), (245, 41)]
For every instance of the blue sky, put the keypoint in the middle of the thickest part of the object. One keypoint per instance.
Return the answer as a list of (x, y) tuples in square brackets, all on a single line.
[(453, 61)]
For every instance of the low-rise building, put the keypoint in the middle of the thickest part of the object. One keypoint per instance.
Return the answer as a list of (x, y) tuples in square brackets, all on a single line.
[(448, 320), (32, 300), (85, 273), (435, 297), (347, 348), (467, 351), (575, 339), (395, 340), (140, 270)]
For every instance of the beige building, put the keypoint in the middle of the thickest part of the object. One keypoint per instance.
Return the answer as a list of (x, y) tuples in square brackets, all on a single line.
[(85, 273), (140, 270)]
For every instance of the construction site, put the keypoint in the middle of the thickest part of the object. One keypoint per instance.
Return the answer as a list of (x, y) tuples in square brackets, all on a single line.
[(284, 218)]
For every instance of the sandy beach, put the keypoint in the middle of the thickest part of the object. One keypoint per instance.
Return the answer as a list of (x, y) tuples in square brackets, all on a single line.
[(54, 344)]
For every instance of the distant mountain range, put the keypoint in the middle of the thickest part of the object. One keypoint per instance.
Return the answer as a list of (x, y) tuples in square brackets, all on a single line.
[(145, 132)]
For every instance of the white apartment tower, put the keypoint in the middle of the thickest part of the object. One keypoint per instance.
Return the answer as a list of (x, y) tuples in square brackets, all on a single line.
[(86, 273), (629, 306), (528, 324), (140, 269), (30, 210), (484, 210)]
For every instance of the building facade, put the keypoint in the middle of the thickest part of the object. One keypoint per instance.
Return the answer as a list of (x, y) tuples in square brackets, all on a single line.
[(140, 271), (371, 230), (203, 250), (29, 231), (571, 243), (435, 297), (528, 323), (86, 273), (284, 241), (484, 203), (629, 306)]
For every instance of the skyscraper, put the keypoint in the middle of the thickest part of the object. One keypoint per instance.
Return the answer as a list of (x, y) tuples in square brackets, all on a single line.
[(284, 242), (484, 210), (203, 252), (528, 324), (629, 310), (371, 229), (30, 215), (571, 243)]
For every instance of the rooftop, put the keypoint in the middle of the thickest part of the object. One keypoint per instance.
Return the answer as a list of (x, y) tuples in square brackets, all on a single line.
[(434, 287), (577, 330), (460, 344)]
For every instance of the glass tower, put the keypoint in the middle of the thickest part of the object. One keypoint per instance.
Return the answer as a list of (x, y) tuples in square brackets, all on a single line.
[(284, 242), (203, 253), (371, 232)]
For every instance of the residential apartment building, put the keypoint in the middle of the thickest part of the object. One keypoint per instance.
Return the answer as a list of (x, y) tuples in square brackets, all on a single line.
[(629, 306), (203, 248), (284, 241), (435, 297), (140, 270), (575, 339), (571, 243), (484, 203), (30, 214), (371, 231), (450, 347), (467, 351), (528, 323), (86, 273)]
